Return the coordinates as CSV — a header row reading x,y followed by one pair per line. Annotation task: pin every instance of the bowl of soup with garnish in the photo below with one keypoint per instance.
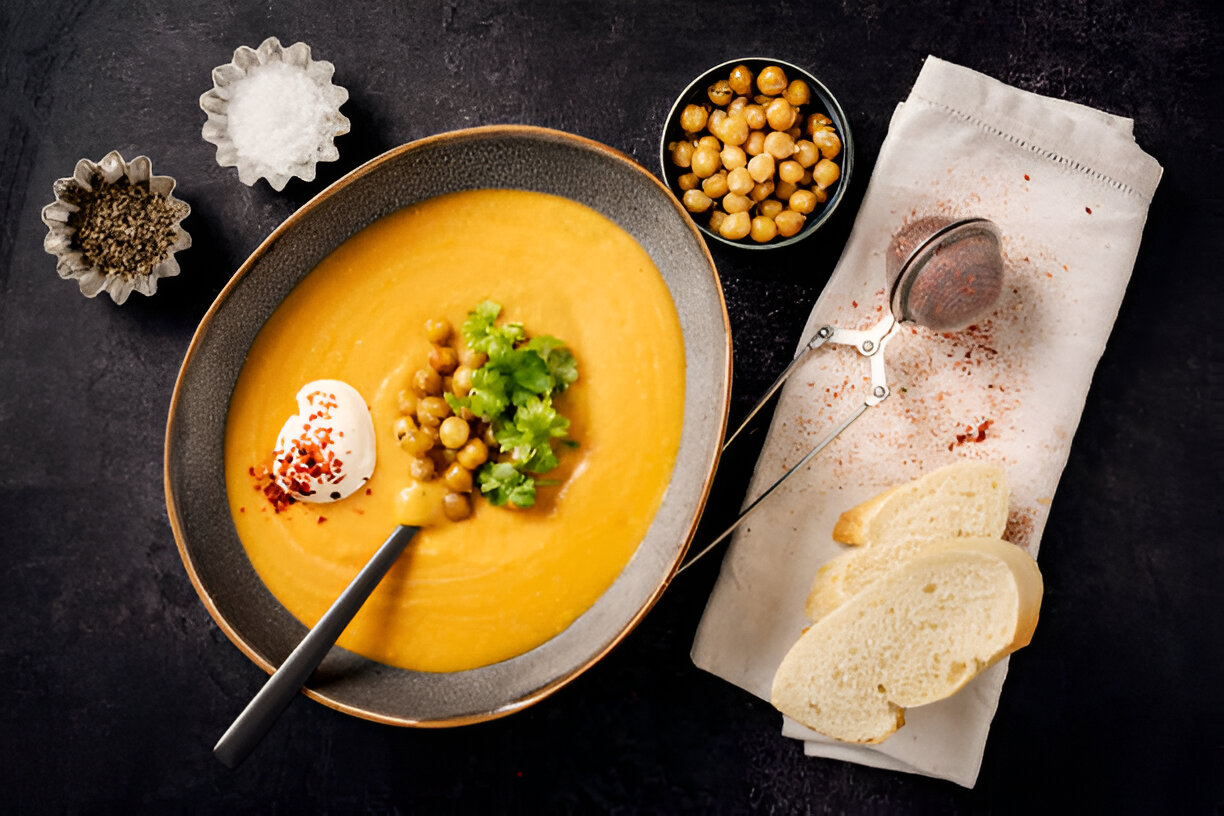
x,y
511,336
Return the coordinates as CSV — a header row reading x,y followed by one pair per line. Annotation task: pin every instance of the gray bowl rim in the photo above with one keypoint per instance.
x,y
836,113
176,523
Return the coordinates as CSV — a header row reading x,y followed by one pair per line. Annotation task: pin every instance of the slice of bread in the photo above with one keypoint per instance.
x,y
916,635
968,498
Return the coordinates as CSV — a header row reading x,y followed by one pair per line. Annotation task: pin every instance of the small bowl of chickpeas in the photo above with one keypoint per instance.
x,y
758,151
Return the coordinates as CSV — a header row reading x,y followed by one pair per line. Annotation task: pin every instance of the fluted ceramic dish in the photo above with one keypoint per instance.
x,y
316,76
493,157
72,264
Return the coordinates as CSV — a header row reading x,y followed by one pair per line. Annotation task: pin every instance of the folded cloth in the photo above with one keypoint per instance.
x,y
1070,190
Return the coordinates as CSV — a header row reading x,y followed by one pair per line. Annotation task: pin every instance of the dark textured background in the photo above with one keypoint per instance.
x,y
114,681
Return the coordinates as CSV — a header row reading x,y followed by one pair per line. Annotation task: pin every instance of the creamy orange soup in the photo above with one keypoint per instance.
x,y
474,592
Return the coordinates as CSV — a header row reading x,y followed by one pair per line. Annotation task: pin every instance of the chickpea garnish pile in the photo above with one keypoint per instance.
x,y
442,444
757,164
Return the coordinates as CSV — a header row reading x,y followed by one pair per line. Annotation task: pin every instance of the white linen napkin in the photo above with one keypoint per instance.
x,y
1070,190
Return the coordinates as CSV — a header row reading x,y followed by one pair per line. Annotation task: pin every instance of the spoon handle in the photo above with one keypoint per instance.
x,y
264,709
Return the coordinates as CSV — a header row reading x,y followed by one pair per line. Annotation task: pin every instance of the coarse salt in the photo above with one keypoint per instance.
x,y
278,118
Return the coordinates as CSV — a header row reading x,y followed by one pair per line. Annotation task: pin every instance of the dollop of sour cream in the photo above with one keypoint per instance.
x,y
326,451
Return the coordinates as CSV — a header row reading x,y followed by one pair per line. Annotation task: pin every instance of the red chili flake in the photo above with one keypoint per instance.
x,y
321,519
1026,176
1088,210
369,491
854,303
241,509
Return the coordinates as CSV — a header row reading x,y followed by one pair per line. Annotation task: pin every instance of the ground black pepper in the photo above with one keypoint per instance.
x,y
122,228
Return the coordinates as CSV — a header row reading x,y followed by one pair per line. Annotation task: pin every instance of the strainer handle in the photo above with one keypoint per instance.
x,y
819,339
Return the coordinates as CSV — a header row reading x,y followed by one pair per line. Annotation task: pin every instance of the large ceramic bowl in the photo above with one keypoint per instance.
x,y
493,157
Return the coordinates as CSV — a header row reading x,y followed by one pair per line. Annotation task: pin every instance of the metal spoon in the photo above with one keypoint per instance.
x,y
271,701
942,274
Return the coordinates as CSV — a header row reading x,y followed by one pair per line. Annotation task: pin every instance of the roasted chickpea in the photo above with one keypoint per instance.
x,y
740,79
443,360
733,156
416,442
437,330
761,168
461,382
716,219
682,153
720,92
431,433
802,201
737,106
780,114
762,191
693,118
755,144
454,432
471,358
755,116
825,173
806,152
763,229
427,381
790,170
431,411
696,201
717,120
771,206
740,181
716,185
736,130
406,401
771,81
780,145
688,181
402,426
789,222
783,190
456,506
422,468
797,93
828,142
736,226
705,162
816,122
473,454
710,142
458,478
735,203
490,438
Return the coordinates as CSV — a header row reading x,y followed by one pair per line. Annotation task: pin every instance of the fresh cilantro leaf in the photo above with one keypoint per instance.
x,y
513,391
502,483
530,371
479,323
489,397
560,362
